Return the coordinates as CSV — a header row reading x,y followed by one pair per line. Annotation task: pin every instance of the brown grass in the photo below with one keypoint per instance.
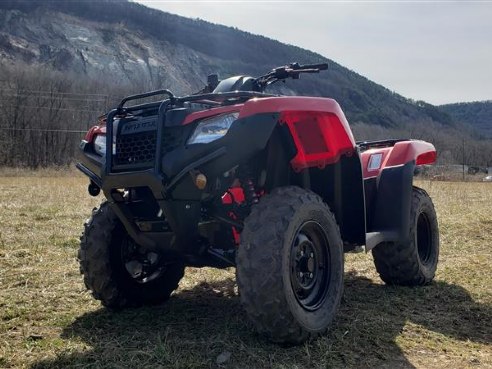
x,y
47,319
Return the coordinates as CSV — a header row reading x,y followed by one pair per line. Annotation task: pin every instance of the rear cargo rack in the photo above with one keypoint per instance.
x,y
366,145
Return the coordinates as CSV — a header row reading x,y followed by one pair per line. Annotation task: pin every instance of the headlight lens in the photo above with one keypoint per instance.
x,y
212,129
100,145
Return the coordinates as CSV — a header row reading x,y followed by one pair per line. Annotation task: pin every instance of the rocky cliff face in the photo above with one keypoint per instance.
x,y
92,49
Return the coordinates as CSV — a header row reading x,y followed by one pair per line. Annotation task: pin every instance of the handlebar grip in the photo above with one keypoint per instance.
x,y
322,66
299,71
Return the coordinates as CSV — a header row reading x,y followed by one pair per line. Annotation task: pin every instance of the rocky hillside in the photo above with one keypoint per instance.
x,y
127,43
475,114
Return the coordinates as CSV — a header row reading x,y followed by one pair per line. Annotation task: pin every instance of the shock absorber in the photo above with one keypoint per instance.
x,y
248,185
250,192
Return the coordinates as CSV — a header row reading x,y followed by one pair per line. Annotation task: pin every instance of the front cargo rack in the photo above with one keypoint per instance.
x,y
151,145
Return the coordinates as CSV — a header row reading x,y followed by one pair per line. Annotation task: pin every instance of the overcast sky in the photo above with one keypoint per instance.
x,y
439,51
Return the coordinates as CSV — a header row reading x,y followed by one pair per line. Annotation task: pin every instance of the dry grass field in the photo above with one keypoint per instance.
x,y
48,320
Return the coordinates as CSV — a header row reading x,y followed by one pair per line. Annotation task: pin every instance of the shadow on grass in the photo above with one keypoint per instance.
x,y
197,325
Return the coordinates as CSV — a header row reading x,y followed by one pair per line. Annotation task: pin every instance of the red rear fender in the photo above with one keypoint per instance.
x,y
377,159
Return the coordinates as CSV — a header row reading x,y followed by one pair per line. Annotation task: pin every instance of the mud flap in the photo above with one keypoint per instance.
x,y
391,211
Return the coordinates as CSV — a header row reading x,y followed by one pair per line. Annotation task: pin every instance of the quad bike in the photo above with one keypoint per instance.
x,y
274,186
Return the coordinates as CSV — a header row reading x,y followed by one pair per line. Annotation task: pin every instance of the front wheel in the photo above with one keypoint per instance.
x,y
117,272
290,265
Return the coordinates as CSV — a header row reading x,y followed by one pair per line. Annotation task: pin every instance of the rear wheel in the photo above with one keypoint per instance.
x,y
413,262
290,265
117,272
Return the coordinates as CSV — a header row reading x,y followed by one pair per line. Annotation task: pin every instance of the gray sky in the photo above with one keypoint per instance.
x,y
439,51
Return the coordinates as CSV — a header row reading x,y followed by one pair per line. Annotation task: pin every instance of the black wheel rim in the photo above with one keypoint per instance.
x,y
424,238
310,266
141,267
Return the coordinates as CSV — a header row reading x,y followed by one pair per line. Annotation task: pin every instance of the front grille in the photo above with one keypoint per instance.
x,y
136,149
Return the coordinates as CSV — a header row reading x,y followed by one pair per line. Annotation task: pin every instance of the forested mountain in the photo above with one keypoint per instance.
x,y
476,114
63,63
133,44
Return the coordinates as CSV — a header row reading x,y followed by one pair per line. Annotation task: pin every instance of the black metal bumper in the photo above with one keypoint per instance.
x,y
170,180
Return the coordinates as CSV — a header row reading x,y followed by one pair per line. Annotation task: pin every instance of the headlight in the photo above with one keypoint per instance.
x,y
212,129
100,145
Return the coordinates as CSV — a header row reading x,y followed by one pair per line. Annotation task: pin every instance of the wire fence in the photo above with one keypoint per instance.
x,y
42,130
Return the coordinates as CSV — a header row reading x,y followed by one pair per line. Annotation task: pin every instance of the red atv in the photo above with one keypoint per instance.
x,y
273,185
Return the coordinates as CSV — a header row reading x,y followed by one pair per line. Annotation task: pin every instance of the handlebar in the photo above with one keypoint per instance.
x,y
287,71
